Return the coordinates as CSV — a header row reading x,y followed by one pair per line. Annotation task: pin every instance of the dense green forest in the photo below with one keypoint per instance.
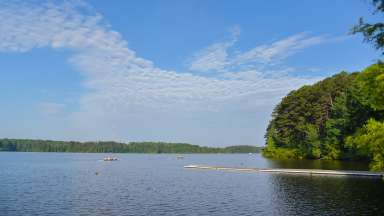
x,y
27,145
340,117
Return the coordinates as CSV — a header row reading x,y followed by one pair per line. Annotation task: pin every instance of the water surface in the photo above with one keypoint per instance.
x,y
142,184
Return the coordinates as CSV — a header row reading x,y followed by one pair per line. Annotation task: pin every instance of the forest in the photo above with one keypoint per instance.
x,y
338,118
29,145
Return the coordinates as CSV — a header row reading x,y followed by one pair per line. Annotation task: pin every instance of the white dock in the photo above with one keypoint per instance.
x,y
292,171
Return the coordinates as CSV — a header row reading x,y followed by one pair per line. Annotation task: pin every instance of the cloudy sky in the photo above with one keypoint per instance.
x,y
207,72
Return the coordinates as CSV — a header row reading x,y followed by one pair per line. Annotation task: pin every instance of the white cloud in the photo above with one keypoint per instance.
x,y
217,57
280,49
128,97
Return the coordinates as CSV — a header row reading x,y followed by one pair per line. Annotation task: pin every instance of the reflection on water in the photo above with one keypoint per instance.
x,y
322,195
66,184
318,164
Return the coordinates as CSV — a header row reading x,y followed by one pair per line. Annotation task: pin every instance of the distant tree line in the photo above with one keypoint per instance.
x,y
29,145
341,117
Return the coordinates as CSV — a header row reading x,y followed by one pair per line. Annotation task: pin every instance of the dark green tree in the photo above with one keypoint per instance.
x,y
316,121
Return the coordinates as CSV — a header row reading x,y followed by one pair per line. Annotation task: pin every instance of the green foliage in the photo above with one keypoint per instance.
x,y
314,121
370,85
241,149
300,118
281,153
373,33
25,145
330,119
369,141
312,142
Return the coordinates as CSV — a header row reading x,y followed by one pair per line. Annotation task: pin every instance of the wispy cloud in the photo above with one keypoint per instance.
x,y
280,49
121,84
218,58
215,57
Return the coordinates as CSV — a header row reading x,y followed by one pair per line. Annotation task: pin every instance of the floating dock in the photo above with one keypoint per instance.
x,y
292,171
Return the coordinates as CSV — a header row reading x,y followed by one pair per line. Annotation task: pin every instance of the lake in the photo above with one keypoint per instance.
x,y
144,184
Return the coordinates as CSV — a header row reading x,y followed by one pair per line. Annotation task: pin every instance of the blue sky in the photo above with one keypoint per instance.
x,y
167,32
205,72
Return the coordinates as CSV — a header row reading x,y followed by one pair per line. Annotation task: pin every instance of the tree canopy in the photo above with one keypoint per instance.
x,y
316,121
369,140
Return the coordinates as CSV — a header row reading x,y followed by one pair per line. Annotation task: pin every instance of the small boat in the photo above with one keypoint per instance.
x,y
110,159
191,166
179,157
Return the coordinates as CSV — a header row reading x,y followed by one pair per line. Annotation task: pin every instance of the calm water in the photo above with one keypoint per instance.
x,y
66,184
